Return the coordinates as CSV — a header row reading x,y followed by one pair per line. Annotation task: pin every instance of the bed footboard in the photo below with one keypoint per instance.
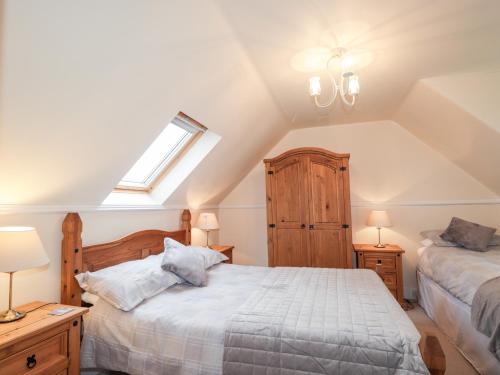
x,y
433,354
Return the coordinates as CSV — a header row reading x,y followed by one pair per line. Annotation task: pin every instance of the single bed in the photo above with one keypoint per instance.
x,y
247,319
448,278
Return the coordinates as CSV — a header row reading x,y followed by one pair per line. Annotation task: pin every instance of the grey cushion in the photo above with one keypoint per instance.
x,y
435,236
186,263
470,235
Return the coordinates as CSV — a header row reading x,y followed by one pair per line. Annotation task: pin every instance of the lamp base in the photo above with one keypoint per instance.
x,y
380,246
11,316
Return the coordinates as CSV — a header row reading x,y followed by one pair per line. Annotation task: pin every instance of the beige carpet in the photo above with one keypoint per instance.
x,y
456,364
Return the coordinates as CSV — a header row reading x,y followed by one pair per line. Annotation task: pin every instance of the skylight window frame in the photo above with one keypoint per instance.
x,y
194,129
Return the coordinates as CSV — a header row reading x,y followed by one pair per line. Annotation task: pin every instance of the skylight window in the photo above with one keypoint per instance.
x,y
172,142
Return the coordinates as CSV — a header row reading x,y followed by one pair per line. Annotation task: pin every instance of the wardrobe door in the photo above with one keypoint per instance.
x,y
327,236
288,183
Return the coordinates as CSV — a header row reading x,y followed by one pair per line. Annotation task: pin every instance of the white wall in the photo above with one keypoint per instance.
x,y
44,283
389,168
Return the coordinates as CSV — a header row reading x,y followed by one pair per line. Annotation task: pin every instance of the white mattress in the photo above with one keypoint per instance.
x,y
180,331
458,270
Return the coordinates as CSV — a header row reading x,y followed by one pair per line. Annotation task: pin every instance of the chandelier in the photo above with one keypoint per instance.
x,y
347,85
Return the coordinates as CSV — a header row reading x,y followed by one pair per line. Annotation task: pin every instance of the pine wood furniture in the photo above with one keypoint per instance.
x,y
387,262
308,209
41,343
76,258
227,250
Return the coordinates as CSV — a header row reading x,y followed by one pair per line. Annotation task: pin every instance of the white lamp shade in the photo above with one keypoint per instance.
x,y
379,219
20,249
207,221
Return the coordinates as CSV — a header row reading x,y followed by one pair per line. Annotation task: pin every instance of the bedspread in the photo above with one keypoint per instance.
x,y
321,321
485,313
458,270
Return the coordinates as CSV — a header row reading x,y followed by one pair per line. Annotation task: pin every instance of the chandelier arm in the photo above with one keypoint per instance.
x,y
335,90
343,95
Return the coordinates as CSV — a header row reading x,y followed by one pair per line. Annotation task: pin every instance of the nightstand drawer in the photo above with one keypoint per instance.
x,y
390,279
46,357
386,262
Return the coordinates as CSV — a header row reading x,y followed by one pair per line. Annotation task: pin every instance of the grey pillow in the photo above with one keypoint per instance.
x,y
435,236
186,263
470,235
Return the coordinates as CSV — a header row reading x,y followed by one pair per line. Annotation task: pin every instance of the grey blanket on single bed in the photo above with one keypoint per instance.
x,y
485,313
321,321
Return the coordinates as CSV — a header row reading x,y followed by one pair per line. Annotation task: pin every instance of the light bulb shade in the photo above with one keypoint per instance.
x,y
20,249
207,221
353,85
379,219
314,86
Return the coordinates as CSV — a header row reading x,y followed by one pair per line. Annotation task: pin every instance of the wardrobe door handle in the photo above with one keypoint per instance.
x,y
302,225
311,226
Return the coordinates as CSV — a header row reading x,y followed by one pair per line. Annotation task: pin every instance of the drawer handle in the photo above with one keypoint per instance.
x,y
31,362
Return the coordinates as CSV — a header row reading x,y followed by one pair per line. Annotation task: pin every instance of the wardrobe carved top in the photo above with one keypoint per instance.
x,y
307,150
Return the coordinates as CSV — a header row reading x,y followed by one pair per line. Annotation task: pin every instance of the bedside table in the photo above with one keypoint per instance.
x,y
41,343
387,262
227,250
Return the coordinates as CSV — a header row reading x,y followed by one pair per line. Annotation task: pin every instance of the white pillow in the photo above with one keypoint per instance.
x,y
90,298
185,263
127,284
211,257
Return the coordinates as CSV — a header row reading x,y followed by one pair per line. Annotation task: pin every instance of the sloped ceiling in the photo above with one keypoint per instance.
x,y
459,117
86,86
409,40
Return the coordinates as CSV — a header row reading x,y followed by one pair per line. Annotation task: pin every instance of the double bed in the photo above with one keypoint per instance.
x,y
448,278
247,320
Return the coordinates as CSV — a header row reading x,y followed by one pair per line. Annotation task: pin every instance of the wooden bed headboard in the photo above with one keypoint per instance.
x,y
76,258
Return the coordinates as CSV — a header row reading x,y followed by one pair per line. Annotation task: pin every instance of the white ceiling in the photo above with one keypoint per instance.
x,y
86,86
409,40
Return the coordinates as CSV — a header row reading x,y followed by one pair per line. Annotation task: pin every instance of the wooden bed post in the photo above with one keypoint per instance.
x,y
432,354
186,225
72,259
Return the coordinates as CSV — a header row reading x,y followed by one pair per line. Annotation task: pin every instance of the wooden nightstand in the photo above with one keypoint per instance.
x,y
227,250
41,343
387,262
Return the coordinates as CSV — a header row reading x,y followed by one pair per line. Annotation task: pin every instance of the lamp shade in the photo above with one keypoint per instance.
x,y
20,249
379,219
207,221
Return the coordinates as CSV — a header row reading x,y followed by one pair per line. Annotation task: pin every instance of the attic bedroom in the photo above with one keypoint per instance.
x,y
249,187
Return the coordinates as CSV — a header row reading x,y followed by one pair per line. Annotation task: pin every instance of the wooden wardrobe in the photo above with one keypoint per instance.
x,y
309,209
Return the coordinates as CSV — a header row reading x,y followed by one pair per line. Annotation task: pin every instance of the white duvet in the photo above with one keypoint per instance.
x,y
460,271
181,330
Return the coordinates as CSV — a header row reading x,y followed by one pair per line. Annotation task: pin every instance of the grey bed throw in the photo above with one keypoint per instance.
x,y
321,321
485,313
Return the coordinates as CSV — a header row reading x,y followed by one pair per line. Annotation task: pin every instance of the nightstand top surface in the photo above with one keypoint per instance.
x,y
221,247
371,248
35,321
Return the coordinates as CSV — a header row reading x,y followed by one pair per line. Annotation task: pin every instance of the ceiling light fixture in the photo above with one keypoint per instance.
x,y
348,85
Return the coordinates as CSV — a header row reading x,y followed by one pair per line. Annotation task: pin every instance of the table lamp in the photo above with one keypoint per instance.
x,y
207,221
20,249
379,219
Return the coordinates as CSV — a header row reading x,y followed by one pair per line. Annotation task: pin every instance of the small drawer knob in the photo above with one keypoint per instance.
x,y
31,361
